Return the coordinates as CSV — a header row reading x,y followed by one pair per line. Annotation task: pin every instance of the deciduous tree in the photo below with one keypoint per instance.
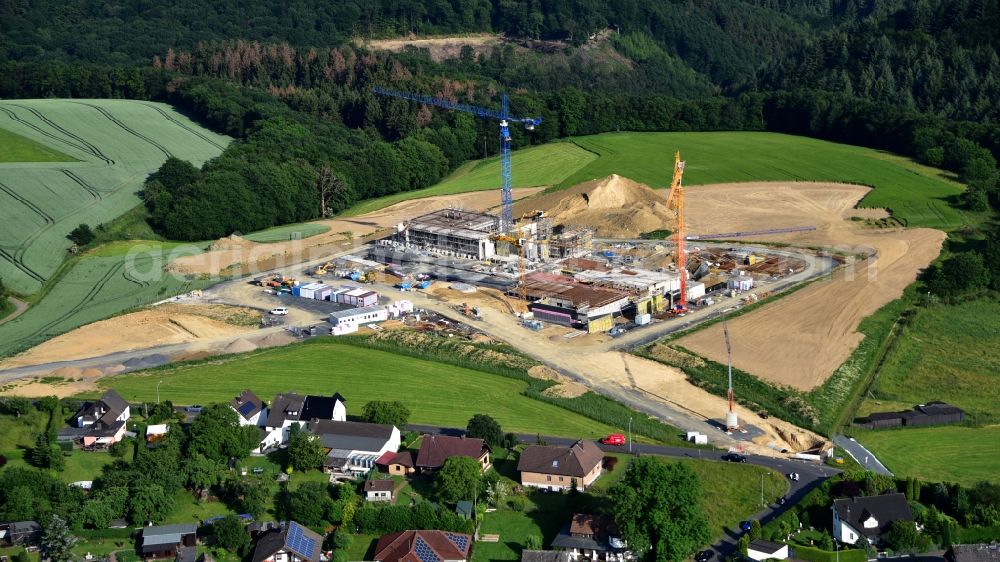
x,y
458,479
391,413
305,451
230,534
486,428
57,542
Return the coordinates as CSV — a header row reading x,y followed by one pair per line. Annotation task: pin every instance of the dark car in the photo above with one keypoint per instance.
x,y
745,526
703,556
734,457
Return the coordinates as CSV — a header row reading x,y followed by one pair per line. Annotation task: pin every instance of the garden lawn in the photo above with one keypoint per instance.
x,y
948,453
945,353
435,393
730,491
15,148
535,166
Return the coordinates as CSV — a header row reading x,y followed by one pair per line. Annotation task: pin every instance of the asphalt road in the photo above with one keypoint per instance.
x,y
859,453
810,474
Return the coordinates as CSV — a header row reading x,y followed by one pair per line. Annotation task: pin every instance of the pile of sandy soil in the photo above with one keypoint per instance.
x,y
235,255
801,339
615,207
239,346
163,325
566,387
275,339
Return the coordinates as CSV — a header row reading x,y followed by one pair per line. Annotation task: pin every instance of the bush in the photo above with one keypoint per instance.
x,y
517,503
81,235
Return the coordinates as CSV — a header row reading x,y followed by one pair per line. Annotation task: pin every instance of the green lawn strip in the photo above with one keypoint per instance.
x,y
812,554
958,454
945,353
16,148
534,166
435,393
918,195
362,547
287,232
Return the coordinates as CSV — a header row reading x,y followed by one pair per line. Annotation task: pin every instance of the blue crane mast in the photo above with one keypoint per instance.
x,y
503,115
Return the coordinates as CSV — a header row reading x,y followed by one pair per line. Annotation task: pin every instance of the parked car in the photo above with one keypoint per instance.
x,y
745,526
734,457
279,311
703,556
793,476
614,439
196,409
781,500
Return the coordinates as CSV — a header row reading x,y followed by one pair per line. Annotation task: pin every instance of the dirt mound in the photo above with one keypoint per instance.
x,y
274,340
67,372
615,207
232,242
544,372
114,369
239,346
566,389
91,373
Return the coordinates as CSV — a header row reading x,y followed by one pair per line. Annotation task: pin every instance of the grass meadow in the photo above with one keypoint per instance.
x,y
918,195
535,166
436,393
16,148
964,455
287,232
111,147
946,353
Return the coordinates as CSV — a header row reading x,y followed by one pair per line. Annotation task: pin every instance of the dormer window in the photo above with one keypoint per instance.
x,y
870,523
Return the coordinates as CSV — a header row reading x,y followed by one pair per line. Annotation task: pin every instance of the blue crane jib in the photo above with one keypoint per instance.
x,y
503,115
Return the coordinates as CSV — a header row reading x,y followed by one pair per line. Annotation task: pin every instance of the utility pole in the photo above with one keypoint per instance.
x,y
630,434
158,391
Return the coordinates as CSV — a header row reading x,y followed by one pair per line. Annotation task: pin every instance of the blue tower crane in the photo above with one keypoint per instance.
x,y
503,115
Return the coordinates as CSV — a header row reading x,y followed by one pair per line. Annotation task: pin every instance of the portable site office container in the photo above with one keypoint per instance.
x,y
361,297
359,316
337,295
308,290
323,294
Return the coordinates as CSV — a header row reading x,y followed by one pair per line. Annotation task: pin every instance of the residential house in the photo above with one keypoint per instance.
x,y
250,410
397,464
868,517
102,421
293,543
591,537
982,552
20,533
544,556
435,449
378,490
163,541
353,447
423,546
761,549
561,468
291,408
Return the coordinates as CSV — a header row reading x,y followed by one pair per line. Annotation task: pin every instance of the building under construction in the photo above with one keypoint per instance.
x,y
452,232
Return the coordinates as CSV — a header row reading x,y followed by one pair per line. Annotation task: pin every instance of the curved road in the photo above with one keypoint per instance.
x,y
811,474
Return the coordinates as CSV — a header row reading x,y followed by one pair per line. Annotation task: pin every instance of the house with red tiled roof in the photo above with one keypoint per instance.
x,y
435,449
424,546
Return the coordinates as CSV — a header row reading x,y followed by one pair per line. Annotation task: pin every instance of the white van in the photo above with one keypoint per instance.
x,y
280,311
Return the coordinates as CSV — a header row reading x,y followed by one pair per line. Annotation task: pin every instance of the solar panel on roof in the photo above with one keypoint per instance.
x,y
461,540
424,551
298,541
246,408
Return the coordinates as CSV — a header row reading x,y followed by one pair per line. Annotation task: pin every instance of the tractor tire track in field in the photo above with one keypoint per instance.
x,y
94,291
93,191
38,211
21,265
127,129
14,117
180,124
91,148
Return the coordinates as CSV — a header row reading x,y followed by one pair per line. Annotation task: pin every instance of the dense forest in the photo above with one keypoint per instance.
x,y
292,82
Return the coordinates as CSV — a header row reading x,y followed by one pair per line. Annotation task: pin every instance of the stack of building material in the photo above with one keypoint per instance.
x,y
740,283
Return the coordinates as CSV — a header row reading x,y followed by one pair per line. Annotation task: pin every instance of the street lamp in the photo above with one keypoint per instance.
x,y
158,391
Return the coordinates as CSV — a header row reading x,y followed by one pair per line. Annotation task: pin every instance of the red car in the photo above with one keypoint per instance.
x,y
614,439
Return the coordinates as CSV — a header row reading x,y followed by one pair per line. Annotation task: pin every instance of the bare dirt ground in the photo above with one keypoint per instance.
x,y
162,325
801,339
615,207
236,255
440,48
